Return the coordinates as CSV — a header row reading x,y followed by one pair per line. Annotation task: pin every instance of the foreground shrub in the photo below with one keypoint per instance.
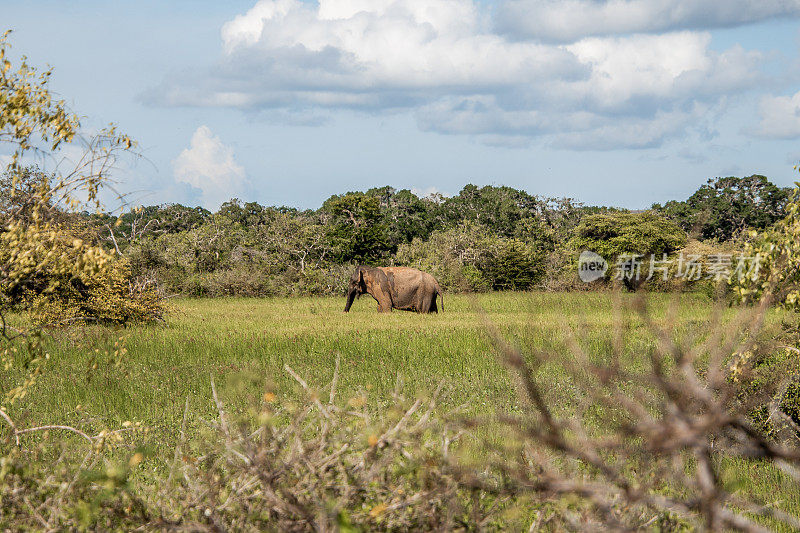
x,y
777,277
662,446
668,446
321,465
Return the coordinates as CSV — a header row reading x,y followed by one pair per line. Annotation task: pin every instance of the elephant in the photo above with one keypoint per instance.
x,y
395,288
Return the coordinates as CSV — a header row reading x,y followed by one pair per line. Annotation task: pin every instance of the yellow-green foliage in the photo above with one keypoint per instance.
x,y
109,295
778,251
59,277
702,253
47,256
44,264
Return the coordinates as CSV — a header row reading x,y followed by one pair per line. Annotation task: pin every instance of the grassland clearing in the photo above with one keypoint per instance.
x,y
245,345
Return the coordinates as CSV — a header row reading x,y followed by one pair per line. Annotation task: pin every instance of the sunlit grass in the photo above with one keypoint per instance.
x,y
244,345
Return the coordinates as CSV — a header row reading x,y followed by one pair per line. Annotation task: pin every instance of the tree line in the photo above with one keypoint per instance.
x,y
483,238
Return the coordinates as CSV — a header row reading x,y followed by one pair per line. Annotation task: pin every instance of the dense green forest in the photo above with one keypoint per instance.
x,y
483,238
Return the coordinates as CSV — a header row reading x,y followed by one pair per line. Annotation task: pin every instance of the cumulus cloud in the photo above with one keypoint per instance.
x,y
428,192
780,117
570,20
444,61
209,165
381,53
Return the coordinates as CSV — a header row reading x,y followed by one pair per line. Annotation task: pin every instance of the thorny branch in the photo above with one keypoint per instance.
x,y
675,414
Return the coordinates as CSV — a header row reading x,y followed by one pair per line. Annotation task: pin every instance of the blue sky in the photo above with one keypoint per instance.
x,y
621,102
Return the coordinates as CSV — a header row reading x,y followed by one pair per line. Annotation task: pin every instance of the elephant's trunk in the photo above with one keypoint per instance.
x,y
350,297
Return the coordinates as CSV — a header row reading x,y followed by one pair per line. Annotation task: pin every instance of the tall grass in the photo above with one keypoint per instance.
x,y
204,382
244,344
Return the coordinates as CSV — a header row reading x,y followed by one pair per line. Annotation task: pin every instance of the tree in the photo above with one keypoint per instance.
x,y
21,195
47,260
774,271
39,256
725,207
356,229
405,215
498,208
245,214
616,234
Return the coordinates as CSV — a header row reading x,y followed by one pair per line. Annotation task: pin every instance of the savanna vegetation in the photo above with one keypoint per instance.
x,y
654,407
484,238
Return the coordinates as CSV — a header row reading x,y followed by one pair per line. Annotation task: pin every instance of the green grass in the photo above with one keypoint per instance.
x,y
243,345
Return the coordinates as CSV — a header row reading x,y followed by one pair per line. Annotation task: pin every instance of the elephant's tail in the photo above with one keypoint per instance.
x,y
441,295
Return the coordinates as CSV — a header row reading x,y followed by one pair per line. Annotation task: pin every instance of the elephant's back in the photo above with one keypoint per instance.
x,y
404,274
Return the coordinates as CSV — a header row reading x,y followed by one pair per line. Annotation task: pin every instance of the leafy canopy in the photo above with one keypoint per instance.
x,y
777,250
724,207
615,234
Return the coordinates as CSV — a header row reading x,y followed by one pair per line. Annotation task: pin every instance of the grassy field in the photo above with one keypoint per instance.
x,y
243,345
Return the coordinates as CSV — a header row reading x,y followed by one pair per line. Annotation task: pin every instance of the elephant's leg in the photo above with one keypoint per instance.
x,y
433,307
384,305
384,301
419,302
425,304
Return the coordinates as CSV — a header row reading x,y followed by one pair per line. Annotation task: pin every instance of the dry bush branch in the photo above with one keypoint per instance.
x,y
659,440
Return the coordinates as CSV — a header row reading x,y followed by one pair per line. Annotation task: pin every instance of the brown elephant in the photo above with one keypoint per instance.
x,y
395,288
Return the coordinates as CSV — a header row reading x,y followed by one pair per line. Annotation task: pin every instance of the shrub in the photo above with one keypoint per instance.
x,y
511,264
322,465
703,254
109,295
328,279
469,258
615,235
769,392
612,235
777,250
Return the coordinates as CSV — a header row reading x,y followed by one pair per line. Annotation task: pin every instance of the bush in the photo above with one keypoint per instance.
x,y
317,466
510,264
703,253
777,277
328,279
109,296
615,235
468,258
612,235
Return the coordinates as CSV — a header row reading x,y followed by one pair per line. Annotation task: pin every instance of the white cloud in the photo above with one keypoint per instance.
x,y
428,192
780,117
570,20
367,46
632,133
668,67
441,60
209,165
